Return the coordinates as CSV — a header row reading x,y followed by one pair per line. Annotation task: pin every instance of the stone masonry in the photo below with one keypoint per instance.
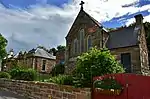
x,y
135,59
32,60
129,48
39,90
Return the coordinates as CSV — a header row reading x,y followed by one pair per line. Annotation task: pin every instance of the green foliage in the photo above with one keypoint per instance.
x,y
42,76
53,50
95,63
111,29
58,69
23,74
3,44
5,75
108,83
60,48
61,79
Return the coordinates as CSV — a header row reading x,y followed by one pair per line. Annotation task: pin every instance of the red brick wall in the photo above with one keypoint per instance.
x,y
40,90
60,56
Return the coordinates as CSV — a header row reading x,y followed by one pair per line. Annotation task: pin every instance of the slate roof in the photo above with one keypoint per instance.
x,y
127,36
39,52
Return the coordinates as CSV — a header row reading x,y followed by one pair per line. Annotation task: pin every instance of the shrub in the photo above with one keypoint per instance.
x,y
58,69
5,75
95,63
61,79
23,74
41,76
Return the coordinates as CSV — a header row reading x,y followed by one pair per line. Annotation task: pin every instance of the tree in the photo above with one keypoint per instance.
x,y
61,48
95,63
3,44
53,50
110,29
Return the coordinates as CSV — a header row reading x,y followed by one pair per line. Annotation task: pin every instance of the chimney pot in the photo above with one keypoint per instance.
x,y
139,19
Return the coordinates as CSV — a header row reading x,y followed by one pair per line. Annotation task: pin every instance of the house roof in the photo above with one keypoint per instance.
x,y
39,52
127,36
16,55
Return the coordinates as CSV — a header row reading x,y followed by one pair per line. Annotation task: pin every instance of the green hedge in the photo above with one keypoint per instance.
x,y
5,75
23,74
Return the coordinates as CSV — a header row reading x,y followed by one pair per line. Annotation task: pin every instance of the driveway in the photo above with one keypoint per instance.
x,y
9,95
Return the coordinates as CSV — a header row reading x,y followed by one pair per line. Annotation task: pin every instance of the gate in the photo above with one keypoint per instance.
x,y
133,87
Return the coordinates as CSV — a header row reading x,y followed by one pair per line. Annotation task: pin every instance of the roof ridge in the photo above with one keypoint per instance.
x,y
120,28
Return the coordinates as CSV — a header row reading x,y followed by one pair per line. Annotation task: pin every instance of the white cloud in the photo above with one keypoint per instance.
x,y
40,25
147,18
132,20
129,21
48,25
105,10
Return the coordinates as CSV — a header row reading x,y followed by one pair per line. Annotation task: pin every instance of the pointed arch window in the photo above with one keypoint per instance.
x,y
89,42
75,46
81,40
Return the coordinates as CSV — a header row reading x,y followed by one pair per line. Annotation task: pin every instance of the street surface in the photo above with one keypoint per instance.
x,y
9,95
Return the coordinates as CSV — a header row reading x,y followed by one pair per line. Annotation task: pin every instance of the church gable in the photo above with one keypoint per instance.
x,y
82,21
84,33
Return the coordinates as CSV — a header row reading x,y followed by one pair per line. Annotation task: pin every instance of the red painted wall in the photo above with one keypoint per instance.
x,y
138,87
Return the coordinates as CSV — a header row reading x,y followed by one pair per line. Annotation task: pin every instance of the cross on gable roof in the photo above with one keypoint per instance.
x,y
81,5
90,17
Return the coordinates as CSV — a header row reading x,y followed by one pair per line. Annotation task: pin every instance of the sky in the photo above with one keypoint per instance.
x,y
29,23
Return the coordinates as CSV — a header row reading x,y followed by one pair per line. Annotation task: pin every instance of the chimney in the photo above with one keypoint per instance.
x,y
139,19
11,52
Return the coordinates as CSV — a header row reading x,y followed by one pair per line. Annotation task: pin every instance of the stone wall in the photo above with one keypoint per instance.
x,y
38,62
60,57
83,28
39,90
33,62
143,52
135,57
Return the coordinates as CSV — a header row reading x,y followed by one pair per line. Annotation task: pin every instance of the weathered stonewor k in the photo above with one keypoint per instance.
x,y
128,44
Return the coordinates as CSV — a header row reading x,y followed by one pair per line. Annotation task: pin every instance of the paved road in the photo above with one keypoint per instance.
x,y
9,95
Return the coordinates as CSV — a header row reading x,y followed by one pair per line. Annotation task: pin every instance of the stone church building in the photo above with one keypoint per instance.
x,y
127,44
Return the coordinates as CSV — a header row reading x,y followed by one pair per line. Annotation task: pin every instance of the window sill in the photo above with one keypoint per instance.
x,y
43,71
